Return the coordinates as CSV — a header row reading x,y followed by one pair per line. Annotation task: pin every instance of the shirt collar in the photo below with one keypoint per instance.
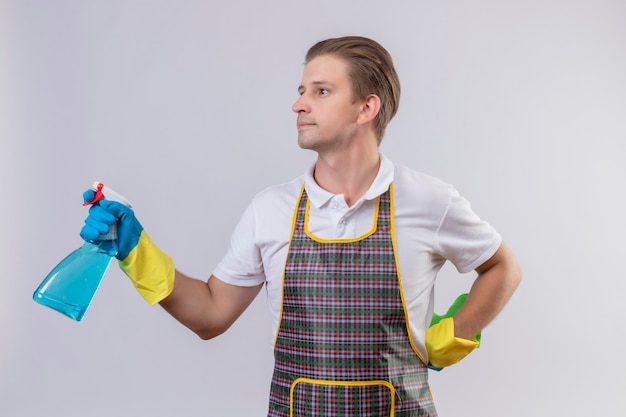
x,y
318,196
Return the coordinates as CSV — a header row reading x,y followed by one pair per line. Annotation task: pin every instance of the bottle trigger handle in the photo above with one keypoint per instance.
x,y
101,192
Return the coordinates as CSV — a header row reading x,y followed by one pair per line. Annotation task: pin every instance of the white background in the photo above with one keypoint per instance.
x,y
184,107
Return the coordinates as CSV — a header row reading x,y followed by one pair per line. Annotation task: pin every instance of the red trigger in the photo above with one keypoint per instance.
x,y
97,196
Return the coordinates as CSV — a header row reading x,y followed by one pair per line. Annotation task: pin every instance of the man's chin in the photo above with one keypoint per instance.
x,y
306,143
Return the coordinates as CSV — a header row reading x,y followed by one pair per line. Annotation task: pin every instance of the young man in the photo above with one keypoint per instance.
x,y
349,252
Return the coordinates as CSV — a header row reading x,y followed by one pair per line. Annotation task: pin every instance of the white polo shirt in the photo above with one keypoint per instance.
x,y
433,224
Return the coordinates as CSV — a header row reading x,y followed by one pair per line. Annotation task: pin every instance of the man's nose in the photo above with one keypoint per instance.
x,y
301,105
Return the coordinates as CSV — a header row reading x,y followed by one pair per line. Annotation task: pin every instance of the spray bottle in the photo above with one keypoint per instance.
x,y
72,284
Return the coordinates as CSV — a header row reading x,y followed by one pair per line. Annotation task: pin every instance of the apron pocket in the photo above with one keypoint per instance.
x,y
314,398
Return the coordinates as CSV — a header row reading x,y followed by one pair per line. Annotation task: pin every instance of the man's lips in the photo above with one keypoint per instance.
x,y
303,124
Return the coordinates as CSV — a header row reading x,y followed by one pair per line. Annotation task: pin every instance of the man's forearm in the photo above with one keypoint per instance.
x,y
496,282
207,308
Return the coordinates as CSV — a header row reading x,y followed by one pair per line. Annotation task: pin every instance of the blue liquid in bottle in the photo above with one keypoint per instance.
x,y
70,287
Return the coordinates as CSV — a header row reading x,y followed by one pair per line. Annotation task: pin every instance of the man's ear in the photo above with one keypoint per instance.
x,y
369,109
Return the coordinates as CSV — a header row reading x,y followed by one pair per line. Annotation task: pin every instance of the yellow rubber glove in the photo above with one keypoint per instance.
x,y
444,349
150,269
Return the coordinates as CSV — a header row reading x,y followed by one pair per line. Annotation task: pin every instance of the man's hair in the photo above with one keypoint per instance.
x,y
371,71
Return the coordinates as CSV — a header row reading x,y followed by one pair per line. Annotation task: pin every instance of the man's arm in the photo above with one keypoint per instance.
x,y
497,280
207,308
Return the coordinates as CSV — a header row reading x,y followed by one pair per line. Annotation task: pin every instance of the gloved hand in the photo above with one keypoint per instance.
x,y
150,269
444,349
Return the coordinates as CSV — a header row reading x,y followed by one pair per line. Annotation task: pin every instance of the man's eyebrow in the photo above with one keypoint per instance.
x,y
301,87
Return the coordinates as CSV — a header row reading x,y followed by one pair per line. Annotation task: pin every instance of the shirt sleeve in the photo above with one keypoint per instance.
x,y
242,265
463,238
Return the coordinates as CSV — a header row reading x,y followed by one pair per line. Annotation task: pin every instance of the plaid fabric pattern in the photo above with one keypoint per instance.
x,y
321,400
342,347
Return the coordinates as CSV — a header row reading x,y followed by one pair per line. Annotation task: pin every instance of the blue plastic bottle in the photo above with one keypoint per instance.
x,y
70,287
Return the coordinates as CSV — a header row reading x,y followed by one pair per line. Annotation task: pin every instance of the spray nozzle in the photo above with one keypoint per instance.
x,y
101,192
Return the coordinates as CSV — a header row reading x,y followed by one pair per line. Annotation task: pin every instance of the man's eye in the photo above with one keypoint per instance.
x,y
323,91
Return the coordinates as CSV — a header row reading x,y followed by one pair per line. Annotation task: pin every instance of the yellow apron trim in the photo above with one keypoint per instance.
x,y
392,219
387,384
351,240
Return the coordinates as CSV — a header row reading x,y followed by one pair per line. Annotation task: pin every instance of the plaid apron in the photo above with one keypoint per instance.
x,y
342,348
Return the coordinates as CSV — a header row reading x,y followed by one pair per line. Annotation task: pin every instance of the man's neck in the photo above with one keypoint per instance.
x,y
350,172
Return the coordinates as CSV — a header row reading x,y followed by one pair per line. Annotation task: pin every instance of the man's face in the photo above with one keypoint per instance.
x,y
327,113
